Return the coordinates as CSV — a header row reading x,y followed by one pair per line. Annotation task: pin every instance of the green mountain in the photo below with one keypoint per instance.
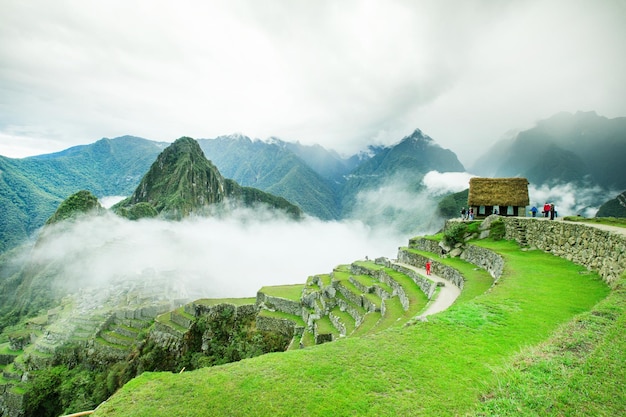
x,y
274,168
182,181
32,188
82,202
615,207
582,148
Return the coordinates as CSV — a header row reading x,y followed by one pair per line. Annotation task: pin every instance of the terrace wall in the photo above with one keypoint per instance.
x,y
596,249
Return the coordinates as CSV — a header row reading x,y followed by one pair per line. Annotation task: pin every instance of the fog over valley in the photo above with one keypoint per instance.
x,y
232,256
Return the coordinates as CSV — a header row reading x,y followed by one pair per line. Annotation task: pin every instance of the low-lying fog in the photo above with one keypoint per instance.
x,y
236,255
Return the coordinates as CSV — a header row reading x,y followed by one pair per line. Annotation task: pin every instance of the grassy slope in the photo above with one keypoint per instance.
x,y
440,367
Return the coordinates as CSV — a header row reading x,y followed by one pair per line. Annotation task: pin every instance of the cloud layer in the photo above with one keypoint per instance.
x,y
341,74
232,256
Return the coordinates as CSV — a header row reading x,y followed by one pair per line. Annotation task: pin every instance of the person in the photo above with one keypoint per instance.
x,y
471,213
463,213
428,267
546,209
552,211
534,211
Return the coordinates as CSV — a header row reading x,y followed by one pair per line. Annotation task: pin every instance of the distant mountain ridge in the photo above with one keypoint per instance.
x,y
319,181
581,148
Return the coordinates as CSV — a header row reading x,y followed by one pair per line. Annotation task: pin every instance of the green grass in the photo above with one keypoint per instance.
x,y
394,314
370,321
109,344
181,312
289,292
365,280
440,367
4,350
234,301
326,279
345,318
578,371
166,319
610,221
477,281
324,326
280,315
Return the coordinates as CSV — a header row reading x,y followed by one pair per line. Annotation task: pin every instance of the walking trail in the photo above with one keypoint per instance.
x,y
446,296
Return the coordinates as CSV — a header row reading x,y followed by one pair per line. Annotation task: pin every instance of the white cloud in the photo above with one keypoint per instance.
x,y
446,182
569,199
341,74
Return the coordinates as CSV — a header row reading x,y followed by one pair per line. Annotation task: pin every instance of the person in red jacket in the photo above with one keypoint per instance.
x,y
546,210
428,267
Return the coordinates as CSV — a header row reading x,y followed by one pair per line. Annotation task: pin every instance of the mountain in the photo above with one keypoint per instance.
x,y
273,168
79,203
407,162
32,188
182,181
582,148
615,207
321,182
327,163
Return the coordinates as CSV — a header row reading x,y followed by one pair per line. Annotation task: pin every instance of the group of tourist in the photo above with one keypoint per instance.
x,y
549,210
467,214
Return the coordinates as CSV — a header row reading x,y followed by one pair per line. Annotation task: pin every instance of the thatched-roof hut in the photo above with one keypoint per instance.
x,y
504,196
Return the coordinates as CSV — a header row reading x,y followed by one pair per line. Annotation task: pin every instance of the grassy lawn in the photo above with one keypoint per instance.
x,y
324,326
280,315
289,292
441,367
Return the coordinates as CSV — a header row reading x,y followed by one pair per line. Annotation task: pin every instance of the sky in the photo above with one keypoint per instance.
x,y
342,74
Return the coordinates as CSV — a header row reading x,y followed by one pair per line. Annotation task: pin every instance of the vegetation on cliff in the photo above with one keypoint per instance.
x,y
79,382
79,203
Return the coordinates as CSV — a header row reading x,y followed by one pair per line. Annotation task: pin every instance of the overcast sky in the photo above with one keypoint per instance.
x,y
343,74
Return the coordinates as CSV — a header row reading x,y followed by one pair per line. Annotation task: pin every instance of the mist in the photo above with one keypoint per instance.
x,y
236,254
407,206
570,199
206,257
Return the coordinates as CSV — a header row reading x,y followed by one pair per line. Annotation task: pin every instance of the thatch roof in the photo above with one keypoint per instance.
x,y
498,192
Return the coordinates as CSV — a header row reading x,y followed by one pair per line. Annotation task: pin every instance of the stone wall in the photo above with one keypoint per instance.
x,y
426,245
11,401
278,325
446,272
485,259
279,304
596,249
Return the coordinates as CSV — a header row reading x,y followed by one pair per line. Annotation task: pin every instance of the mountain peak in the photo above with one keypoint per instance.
x,y
78,203
419,136
180,181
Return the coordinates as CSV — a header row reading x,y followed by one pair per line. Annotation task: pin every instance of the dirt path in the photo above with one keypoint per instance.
x,y
608,228
447,294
